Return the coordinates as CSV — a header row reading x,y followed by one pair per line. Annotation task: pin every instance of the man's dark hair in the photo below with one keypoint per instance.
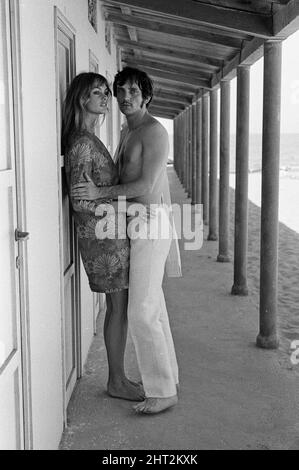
x,y
132,75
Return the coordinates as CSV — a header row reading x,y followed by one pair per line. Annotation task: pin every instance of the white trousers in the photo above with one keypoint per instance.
x,y
148,318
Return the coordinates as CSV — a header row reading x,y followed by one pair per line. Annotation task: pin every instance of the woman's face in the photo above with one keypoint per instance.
x,y
98,100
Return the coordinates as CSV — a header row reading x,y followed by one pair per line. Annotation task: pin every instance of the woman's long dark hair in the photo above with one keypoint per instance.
x,y
73,106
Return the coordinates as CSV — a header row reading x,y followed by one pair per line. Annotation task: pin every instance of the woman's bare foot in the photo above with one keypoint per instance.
x,y
155,405
138,384
126,390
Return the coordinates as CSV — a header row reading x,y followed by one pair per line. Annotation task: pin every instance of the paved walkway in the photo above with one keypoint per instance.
x,y
233,395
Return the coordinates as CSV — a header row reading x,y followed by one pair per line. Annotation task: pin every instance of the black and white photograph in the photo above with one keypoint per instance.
x,y
149,235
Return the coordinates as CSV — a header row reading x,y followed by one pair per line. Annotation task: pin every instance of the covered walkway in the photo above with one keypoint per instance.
x,y
233,394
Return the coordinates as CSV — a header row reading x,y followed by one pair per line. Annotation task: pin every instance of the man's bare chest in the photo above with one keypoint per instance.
x,y
131,156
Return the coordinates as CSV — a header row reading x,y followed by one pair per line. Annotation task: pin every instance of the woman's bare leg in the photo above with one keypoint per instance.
x,y
115,335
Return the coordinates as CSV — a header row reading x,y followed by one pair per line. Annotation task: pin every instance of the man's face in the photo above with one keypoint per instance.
x,y
129,98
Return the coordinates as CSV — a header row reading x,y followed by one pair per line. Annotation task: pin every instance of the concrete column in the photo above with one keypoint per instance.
x,y
181,155
181,146
179,142
190,151
174,144
194,154
198,151
205,158
241,193
185,150
224,213
268,337
213,190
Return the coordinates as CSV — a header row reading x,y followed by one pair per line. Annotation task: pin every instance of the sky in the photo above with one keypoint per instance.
x,y
289,98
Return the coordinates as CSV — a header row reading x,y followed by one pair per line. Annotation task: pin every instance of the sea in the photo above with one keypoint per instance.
x,y
289,154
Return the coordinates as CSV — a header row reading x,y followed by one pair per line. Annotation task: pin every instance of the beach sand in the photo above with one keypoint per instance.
x,y
288,269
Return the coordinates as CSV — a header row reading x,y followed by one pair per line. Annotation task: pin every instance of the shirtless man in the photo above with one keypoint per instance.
x,y
143,157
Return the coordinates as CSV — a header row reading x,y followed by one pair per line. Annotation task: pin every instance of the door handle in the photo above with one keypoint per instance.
x,y
21,236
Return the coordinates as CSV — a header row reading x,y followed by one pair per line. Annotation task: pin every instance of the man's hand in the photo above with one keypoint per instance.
x,y
88,191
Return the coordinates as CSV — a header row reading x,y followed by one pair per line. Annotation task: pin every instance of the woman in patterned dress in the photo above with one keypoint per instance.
x,y
105,257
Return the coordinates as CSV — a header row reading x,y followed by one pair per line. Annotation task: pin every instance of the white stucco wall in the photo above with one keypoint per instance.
x,y
42,200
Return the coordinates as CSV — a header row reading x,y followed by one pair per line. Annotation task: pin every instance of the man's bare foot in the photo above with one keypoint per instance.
x,y
155,405
126,390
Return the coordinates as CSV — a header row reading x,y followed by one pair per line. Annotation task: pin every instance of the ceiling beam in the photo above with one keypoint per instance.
x,y
173,60
160,26
206,49
171,65
206,14
168,107
164,109
190,24
286,19
175,97
168,104
182,88
140,63
180,52
177,77
126,11
248,56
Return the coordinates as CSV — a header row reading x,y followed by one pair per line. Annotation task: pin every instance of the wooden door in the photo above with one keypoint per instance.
x,y
69,246
97,298
11,374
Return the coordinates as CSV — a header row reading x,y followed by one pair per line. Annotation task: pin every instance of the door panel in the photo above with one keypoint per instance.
x,y
4,95
10,429
67,228
70,352
8,320
70,261
11,396
94,67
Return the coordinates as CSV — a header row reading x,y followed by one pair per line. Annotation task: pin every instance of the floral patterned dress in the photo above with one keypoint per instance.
x,y
103,241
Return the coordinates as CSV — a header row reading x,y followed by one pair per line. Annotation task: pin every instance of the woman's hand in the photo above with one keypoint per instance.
x,y
88,191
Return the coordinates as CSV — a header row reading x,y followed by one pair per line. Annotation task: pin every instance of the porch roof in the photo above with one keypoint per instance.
x,y
188,46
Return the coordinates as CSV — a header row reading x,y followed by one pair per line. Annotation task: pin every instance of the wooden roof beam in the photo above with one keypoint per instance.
x,y
163,109
175,97
181,44
178,77
206,14
190,24
196,73
182,88
195,65
286,19
160,26
248,56
168,104
126,11
179,52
